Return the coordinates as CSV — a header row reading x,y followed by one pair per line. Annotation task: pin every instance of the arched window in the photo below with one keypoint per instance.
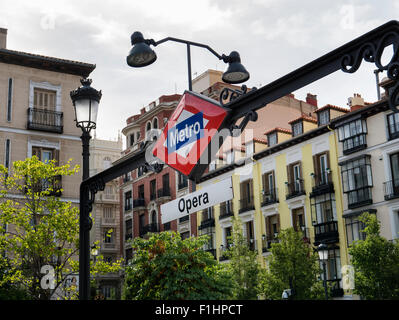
x,y
153,216
155,123
148,127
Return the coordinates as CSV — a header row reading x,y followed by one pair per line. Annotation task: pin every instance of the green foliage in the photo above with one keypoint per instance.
x,y
376,263
292,262
166,267
244,266
36,227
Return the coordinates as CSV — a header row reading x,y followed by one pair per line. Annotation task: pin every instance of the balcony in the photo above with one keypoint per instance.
x,y
247,204
108,221
45,120
295,189
268,240
322,184
138,203
152,227
108,246
208,223
226,210
52,185
163,193
326,232
391,189
360,197
354,144
269,197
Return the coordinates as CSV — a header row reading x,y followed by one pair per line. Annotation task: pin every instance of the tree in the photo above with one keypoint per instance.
x,y
292,265
244,266
39,233
166,267
376,263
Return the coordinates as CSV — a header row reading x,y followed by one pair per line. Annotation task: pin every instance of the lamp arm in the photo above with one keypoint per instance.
x,y
155,43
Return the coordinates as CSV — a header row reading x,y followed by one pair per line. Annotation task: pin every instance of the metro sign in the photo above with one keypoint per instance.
x,y
184,142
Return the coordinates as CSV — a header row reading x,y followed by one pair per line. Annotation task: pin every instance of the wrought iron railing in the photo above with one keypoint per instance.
x,y
326,232
269,197
45,120
226,210
295,189
152,227
52,185
247,204
391,189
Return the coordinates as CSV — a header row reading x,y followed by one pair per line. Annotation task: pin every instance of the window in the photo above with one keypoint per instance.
x,y
128,200
249,234
354,228
185,235
128,229
131,138
44,99
295,182
137,136
182,181
246,201
333,268
391,188
272,139
45,154
107,213
321,169
269,192
298,219
9,100
323,208
153,185
107,162
357,181
165,182
272,228
108,235
140,171
353,136
393,126
141,191
155,123
297,128
323,117
148,127
207,214
7,153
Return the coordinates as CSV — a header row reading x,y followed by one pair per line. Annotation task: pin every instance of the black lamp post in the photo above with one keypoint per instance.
x,y
322,250
142,55
85,102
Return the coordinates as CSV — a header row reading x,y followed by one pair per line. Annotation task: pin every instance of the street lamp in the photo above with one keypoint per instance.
x,y
322,250
85,102
142,55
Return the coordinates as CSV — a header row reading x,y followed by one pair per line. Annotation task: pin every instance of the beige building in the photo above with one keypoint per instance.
x,y
36,110
106,227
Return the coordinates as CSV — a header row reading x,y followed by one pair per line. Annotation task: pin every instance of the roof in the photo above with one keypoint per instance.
x,y
46,63
330,106
303,117
278,129
256,140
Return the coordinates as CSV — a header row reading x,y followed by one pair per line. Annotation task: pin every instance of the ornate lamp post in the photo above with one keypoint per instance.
x,y
142,55
322,250
85,102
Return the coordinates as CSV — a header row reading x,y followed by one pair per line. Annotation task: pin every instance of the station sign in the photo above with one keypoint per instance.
x,y
183,144
206,197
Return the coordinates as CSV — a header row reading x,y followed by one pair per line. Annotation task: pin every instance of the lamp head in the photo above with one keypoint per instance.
x,y
141,54
236,72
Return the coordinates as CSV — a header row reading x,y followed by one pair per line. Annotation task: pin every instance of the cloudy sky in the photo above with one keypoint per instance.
x,y
273,37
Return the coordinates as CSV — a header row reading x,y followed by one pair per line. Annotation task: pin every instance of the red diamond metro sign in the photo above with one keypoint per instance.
x,y
183,144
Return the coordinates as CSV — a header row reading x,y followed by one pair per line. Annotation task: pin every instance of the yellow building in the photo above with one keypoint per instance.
x,y
292,181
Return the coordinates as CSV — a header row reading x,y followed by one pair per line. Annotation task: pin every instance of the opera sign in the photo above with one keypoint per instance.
x,y
183,144
199,200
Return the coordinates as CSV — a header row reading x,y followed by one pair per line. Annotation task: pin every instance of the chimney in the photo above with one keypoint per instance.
x,y
3,38
142,111
311,99
356,102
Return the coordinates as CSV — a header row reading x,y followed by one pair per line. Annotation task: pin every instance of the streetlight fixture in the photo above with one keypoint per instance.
x,y
322,250
142,55
85,102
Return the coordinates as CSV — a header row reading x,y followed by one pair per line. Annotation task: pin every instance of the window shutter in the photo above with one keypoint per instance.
x,y
57,157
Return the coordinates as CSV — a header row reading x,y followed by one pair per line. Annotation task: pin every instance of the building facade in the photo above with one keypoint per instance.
x,y
106,227
142,192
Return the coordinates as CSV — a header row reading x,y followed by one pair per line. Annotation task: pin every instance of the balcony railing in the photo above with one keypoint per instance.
x,y
269,197
164,192
268,240
247,204
226,210
52,185
322,183
360,197
137,203
152,227
391,189
326,232
295,189
208,223
45,120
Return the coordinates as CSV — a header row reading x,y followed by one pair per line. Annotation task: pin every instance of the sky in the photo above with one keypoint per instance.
x,y
273,37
